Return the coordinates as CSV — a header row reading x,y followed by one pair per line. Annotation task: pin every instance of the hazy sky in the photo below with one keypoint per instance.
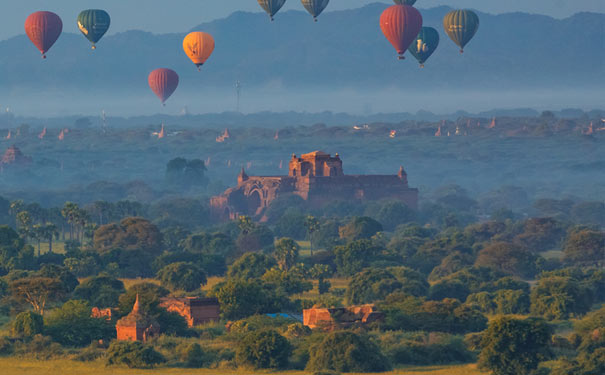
x,y
162,16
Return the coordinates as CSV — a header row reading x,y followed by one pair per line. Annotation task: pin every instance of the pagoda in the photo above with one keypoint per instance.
x,y
137,326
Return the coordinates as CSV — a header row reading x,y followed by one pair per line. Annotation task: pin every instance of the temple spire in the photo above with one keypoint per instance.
x,y
402,174
137,306
242,176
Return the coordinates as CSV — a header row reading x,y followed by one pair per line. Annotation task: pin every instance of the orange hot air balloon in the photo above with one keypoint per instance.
x,y
198,46
163,82
401,25
43,29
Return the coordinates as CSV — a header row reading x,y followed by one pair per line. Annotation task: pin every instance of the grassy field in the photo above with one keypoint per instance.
x,y
14,366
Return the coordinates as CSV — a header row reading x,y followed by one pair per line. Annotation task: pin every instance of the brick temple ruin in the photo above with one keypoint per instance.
x,y
196,311
137,325
333,319
318,178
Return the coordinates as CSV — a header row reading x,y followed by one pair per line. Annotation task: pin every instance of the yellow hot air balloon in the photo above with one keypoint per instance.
x,y
198,46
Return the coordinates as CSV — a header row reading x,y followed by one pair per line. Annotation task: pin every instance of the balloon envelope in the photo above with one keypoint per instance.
x,y
93,23
315,7
271,6
461,26
400,25
426,43
163,82
43,29
198,46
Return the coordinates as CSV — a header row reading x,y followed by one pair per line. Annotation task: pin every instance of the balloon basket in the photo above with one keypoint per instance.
x,y
400,57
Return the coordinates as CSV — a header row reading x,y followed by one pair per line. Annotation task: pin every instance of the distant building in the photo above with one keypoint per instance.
x,y
318,178
137,326
196,311
14,156
333,319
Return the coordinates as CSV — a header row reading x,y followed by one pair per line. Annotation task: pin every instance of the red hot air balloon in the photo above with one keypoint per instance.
x,y
163,82
43,29
401,25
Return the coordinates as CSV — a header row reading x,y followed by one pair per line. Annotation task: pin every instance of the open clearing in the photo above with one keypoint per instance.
x,y
15,366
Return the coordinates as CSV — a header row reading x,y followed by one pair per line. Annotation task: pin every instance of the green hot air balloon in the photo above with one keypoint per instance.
x,y
94,23
426,43
271,6
461,26
315,7
405,2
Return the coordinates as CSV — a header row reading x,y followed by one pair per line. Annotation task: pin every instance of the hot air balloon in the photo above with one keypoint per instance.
x,y
198,46
461,26
405,2
163,82
426,43
400,25
271,6
94,23
315,7
43,29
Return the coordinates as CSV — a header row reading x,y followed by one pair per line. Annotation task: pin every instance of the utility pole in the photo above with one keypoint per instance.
x,y
238,91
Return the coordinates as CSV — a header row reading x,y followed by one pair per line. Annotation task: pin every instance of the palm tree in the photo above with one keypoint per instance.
x,y
286,253
37,234
49,232
312,225
15,208
69,212
24,222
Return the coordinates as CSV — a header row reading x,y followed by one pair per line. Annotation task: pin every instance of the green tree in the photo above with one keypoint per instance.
x,y
360,228
558,297
182,276
346,352
371,285
508,258
100,291
37,291
286,253
240,298
250,266
27,324
585,247
133,233
513,346
265,349
355,256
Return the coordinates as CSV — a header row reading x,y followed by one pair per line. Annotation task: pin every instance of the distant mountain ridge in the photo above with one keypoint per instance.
x,y
345,49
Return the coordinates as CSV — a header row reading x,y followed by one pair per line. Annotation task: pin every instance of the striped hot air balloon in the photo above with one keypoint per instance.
x,y
163,82
43,29
271,6
401,24
315,7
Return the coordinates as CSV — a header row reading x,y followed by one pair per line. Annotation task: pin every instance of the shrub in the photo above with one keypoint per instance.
x,y
263,350
347,352
27,324
133,354
39,347
193,356
72,325
419,348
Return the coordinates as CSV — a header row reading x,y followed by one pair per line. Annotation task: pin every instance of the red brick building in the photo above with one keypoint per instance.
x,y
196,311
332,319
137,326
318,178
